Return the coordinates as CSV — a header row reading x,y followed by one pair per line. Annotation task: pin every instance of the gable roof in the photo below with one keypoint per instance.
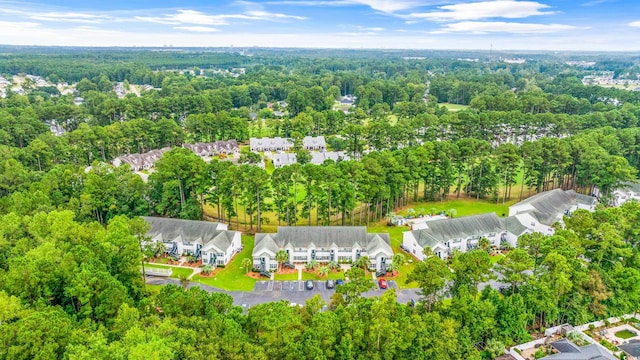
x,y
323,237
189,231
548,205
514,226
632,348
569,351
631,186
440,231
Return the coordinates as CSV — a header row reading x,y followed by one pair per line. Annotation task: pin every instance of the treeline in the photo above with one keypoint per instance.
x,y
72,290
375,184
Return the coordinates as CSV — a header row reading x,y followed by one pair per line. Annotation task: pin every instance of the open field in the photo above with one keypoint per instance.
x,y
454,107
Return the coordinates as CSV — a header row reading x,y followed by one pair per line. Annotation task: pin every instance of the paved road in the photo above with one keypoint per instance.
x,y
292,291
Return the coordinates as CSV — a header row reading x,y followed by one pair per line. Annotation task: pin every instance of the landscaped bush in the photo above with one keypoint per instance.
x,y
608,345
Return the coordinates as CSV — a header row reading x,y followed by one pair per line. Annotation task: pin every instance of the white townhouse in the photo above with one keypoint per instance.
x,y
314,143
270,144
628,191
462,234
322,244
139,162
209,241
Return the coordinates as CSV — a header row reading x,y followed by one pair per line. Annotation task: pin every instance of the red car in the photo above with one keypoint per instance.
x,y
382,283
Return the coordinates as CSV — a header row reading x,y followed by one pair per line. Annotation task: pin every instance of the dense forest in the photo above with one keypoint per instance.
x,y
70,251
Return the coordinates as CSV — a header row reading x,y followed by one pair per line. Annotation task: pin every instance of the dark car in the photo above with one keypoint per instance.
x,y
382,283
339,282
309,285
330,284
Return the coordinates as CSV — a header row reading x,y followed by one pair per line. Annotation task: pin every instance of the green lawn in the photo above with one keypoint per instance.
x,y
463,207
625,334
454,107
233,276
496,258
176,272
286,277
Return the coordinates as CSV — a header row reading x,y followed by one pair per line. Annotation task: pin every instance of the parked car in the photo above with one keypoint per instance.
x,y
309,285
339,282
382,283
330,284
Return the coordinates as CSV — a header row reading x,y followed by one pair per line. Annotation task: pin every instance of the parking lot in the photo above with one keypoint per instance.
x,y
291,291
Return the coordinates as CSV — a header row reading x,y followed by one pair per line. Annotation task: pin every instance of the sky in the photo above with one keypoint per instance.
x,y
596,25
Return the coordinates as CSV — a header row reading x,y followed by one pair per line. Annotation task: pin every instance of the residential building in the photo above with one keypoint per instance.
x,y
318,157
281,159
323,244
209,241
139,162
214,148
632,349
270,144
541,211
628,191
462,234
567,350
314,143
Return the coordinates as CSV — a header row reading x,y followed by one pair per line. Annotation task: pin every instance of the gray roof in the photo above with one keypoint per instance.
x,y
189,231
631,186
283,159
309,142
440,231
318,157
513,225
549,204
632,348
276,142
569,351
323,237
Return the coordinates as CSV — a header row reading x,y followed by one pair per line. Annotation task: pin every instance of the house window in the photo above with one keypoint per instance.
x,y
220,261
299,258
273,266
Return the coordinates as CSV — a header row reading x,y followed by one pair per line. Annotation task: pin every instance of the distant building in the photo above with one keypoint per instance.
x,y
314,143
570,351
270,144
318,157
139,162
283,159
628,191
214,148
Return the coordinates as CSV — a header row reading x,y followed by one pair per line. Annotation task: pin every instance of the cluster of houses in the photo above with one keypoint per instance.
x,y
214,148
139,162
535,214
146,161
281,158
283,144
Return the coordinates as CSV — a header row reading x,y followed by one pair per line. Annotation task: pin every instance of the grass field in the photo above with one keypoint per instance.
x,y
233,276
625,334
308,276
176,272
454,107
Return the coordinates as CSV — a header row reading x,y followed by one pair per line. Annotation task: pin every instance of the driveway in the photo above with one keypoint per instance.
x,y
291,291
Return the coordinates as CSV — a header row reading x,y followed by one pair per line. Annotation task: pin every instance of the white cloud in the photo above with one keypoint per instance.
x,y
265,15
200,18
200,29
389,6
484,27
507,9
385,6
74,17
635,24
17,25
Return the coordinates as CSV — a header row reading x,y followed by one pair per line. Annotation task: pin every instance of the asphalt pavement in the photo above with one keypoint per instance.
x,y
294,292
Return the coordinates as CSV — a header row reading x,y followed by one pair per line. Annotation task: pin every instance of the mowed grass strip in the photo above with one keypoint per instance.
x,y
176,271
233,276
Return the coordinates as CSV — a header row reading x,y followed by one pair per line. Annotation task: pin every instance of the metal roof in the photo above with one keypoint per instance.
x,y
550,204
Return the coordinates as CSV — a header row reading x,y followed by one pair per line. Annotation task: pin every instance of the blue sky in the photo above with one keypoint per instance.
x,y
411,24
